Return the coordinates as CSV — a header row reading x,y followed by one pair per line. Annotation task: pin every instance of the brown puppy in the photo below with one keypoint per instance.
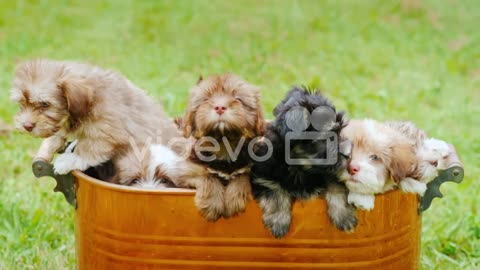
x,y
109,116
223,116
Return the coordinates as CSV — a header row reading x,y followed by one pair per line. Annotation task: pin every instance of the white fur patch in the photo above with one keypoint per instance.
x,y
369,179
362,201
410,185
149,184
438,146
68,162
373,132
162,156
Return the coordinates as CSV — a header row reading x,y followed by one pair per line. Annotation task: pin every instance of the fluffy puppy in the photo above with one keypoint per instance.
x,y
431,155
108,115
381,157
223,116
277,183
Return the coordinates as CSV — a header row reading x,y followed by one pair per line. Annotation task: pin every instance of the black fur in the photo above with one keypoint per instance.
x,y
276,184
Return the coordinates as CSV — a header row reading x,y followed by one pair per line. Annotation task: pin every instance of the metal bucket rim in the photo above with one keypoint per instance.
x,y
168,191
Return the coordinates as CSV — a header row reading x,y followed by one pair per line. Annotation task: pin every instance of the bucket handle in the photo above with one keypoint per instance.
x,y
453,173
65,183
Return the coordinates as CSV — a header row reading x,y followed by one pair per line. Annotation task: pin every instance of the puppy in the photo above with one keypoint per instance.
x,y
381,157
277,182
148,172
223,116
431,155
160,168
109,116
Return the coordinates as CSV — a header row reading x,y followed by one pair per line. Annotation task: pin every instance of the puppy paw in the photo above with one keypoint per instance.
x,y
212,208
345,220
236,201
278,224
410,185
212,213
341,214
68,162
235,205
237,195
361,201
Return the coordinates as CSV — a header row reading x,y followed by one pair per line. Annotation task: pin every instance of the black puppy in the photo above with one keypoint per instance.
x,y
291,172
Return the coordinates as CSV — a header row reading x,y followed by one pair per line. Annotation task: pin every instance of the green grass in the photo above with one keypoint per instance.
x,y
417,60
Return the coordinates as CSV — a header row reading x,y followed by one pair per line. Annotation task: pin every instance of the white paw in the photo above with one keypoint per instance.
x,y
362,201
413,186
68,162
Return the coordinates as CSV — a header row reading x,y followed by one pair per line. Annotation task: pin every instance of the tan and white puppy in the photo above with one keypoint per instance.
x,y
108,115
161,168
431,155
381,157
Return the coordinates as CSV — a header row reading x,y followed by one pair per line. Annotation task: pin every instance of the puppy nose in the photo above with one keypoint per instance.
x,y
29,126
220,109
352,170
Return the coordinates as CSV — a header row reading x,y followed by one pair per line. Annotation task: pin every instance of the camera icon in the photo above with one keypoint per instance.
x,y
311,146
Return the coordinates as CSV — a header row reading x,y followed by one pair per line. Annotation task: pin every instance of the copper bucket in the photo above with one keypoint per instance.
x,y
121,227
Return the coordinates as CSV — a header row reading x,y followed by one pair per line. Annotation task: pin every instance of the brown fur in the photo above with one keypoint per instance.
x,y
242,118
403,162
104,111
424,170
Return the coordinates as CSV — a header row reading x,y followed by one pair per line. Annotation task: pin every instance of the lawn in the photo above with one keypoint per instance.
x,y
417,60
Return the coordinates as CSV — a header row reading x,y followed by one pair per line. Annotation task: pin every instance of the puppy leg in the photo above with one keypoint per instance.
x,y
362,201
88,153
410,185
67,162
276,205
209,198
341,214
237,194
49,147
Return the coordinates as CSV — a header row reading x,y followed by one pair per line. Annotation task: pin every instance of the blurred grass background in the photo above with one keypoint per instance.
x,y
417,60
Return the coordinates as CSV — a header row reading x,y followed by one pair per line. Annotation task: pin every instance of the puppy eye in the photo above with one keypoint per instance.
x,y
374,157
239,99
44,104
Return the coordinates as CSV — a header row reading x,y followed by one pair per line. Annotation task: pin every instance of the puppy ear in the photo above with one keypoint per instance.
x,y
402,162
79,96
200,79
188,123
260,123
178,122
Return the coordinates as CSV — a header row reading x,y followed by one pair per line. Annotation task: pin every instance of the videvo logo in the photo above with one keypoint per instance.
x,y
310,141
